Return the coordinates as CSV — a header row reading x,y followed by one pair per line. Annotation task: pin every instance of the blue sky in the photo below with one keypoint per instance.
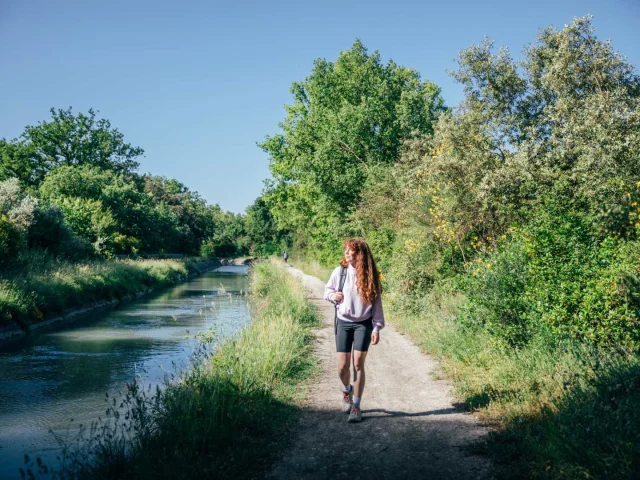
x,y
198,83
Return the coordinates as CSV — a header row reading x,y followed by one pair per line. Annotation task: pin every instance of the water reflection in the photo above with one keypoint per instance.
x,y
57,376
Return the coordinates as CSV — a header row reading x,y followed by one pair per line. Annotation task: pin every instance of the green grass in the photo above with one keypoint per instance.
x,y
226,416
310,266
44,285
561,411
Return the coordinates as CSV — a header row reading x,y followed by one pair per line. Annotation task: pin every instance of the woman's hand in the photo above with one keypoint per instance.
x,y
337,297
375,338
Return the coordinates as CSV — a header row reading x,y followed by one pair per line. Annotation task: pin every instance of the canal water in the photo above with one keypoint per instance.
x,y
56,380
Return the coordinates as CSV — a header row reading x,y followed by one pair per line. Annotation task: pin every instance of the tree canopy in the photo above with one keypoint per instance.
x,y
348,119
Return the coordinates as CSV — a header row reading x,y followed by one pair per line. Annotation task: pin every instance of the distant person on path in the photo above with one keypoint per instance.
x,y
285,256
355,289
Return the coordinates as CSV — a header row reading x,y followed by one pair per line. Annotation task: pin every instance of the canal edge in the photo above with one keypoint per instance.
x,y
13,334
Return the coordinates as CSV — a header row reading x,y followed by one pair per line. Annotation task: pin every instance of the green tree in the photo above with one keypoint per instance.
x,y
567,114
348,119
126,206
192,218
261,229
526,197
67,139
228,237
16,215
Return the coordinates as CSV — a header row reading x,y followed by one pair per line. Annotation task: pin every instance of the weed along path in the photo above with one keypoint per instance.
x,y
410,428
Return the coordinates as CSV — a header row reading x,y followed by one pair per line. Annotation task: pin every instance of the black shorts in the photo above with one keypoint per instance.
x,y
357,334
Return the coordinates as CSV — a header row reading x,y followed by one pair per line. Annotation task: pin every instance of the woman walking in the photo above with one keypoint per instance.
x,y
355,289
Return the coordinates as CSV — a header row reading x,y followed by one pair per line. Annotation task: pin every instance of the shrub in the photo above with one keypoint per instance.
x,y
14,305
557,276
496,288
10,240
50,232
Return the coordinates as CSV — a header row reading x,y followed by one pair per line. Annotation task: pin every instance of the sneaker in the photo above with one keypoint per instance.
x,y
347,400
355,415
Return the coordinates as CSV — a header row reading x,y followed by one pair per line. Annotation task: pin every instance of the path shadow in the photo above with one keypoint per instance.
x,y
390,413
434,444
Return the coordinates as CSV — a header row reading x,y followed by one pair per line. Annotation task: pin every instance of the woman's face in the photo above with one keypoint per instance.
x,y
349,255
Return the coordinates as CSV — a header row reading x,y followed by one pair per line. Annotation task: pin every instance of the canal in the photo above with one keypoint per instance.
x,y
57,380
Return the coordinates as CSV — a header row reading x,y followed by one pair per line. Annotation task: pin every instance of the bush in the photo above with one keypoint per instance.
x,y
16,216
14,305
10,240
496,288
50,232
415,265
557,276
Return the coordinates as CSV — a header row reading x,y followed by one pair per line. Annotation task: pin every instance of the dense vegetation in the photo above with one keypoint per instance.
x,y
69,186
225,415
506,228
71,201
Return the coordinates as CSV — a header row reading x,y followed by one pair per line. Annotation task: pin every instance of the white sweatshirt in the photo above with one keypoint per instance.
x,y
351,308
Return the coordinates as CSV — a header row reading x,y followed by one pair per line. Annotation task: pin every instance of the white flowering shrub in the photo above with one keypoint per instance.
x,y
17,207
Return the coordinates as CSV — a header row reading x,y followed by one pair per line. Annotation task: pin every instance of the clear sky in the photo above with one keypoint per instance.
x,y
198,83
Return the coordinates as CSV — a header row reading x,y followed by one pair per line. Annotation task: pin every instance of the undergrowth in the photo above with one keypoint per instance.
x,y
560,409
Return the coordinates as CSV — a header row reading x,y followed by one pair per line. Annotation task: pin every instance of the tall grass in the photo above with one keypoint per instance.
x,y
44,285
225,416
561,410
309,265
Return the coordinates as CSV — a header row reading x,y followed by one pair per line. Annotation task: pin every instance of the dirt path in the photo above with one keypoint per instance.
x,y
409,430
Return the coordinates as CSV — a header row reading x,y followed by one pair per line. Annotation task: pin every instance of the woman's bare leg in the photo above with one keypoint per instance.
x,y
343,367
358,360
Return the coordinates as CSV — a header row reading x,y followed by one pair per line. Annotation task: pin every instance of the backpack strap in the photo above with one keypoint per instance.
x,y
343,277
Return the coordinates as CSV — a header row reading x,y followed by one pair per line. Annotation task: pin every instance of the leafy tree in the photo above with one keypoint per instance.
x,y
347,119
261,229
17,160
67,139
568,114
16,216
16,205
192,218
228,237
49,231
125,206
527,196
92,221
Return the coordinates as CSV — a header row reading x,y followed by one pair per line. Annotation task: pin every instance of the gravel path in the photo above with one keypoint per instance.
x,y
409,430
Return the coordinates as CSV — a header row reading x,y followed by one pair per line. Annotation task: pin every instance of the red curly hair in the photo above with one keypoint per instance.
x,y
367,275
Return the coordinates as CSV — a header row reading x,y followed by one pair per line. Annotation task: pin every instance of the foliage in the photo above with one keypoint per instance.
x,y
507,234
16,214
15,205
229,237
347,121
261,230
10,240
564,410
94,201
187,219
49,231
526,195
67,139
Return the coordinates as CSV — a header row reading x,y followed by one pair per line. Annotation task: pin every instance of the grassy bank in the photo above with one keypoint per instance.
x,y
225,415
43,285
561,410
